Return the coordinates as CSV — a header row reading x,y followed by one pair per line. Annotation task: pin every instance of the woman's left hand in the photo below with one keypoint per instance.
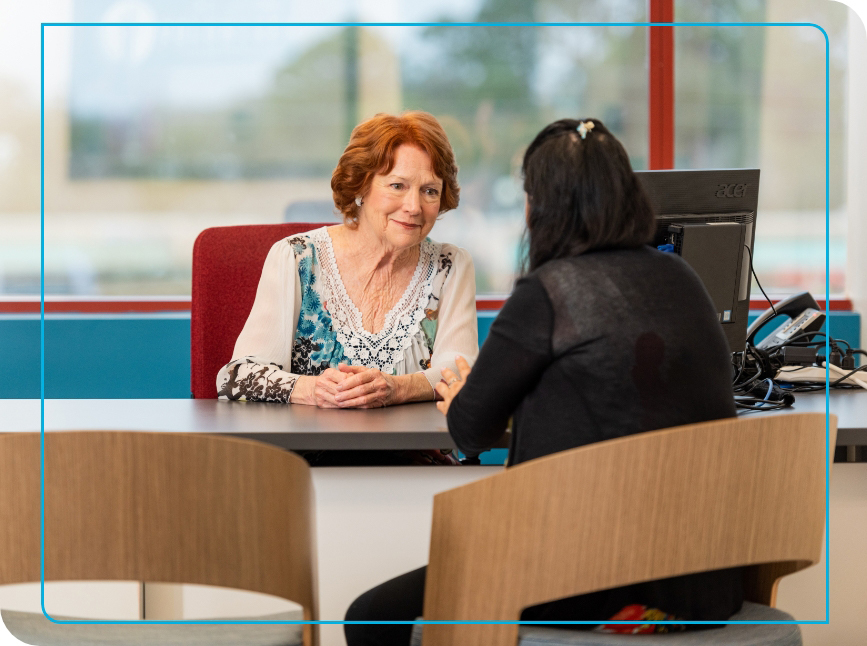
x,y
366,388
452,384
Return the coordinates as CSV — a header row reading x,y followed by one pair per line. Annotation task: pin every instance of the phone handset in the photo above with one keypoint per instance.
x,y
803,312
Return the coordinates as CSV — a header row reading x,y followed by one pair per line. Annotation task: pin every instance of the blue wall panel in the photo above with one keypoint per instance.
x,y
19,356
99,358
141,357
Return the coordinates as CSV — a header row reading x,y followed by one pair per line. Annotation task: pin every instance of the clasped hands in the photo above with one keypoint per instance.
x,y
359,387
354,387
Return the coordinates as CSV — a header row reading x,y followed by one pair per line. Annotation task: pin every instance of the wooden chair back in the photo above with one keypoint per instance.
x,y
160,507
734,492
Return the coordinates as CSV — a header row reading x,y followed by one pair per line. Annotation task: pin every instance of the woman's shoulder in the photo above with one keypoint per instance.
x,y
447,255
604,260
302,242
289,251
640,267
295,247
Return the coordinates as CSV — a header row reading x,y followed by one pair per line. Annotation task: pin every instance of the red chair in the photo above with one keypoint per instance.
x,y
227,263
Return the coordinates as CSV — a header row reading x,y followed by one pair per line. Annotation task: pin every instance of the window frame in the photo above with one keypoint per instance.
x,y
661,102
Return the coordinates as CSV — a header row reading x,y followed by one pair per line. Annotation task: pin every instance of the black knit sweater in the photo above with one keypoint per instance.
x,y
599,346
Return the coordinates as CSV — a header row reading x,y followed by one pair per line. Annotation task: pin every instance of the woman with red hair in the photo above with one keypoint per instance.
x,y
368,312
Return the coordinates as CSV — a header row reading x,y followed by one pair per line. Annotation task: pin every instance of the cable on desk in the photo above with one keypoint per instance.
x,y
754,370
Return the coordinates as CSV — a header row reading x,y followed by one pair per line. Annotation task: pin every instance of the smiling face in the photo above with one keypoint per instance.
x,y
403,204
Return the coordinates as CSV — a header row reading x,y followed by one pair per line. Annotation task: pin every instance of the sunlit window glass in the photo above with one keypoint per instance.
x,y
155,133
165,131
755,97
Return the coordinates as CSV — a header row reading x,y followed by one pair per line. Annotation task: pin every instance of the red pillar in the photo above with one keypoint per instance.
x,y
661,86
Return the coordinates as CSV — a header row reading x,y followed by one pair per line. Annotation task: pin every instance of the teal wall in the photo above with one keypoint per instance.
x,y
144,356
118,357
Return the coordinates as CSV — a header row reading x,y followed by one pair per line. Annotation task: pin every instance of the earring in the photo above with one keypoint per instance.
x,y
358,201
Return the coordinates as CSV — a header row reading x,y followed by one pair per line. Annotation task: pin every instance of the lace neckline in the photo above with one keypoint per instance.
x,y
382,349
338,288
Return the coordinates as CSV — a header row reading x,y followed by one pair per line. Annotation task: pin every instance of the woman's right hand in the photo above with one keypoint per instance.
x,y
325,388
451,384
320,390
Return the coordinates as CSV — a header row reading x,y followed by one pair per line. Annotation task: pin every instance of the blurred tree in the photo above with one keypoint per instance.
x,y
718,80
481,77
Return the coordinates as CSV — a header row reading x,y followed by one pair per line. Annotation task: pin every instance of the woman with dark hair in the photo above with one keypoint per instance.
x,y
604,337
581,193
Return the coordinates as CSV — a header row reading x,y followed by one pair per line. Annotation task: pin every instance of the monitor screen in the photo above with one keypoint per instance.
x,y
708,217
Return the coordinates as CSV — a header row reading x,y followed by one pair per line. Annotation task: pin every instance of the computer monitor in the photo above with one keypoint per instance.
x,y
708,217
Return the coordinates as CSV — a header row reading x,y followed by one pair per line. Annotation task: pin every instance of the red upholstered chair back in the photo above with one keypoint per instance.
x,y
227,263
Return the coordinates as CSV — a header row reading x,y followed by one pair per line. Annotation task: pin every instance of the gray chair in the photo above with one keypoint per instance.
x,y
311,211
735,492
159,507
731,635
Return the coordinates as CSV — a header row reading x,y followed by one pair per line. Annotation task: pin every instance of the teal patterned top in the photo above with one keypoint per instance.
x,y
303,319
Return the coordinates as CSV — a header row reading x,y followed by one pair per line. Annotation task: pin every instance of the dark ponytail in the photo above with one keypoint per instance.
x,y
583,195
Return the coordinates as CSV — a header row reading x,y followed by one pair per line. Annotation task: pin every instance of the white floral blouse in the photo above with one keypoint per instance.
x,y
303,321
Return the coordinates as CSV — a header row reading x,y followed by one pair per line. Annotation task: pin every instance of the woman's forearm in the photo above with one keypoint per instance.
x,y
303,393
412,388
252,379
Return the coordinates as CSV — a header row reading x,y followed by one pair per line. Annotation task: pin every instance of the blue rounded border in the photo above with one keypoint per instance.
x,y
412,24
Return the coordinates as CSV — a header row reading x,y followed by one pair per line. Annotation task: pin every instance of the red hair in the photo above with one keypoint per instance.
x,y
371,150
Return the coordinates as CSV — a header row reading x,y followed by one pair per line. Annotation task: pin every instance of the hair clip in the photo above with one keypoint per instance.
x,y
584,127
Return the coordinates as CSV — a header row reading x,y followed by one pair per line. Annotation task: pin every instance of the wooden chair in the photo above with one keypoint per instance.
x,y
735,492
227,264
158,507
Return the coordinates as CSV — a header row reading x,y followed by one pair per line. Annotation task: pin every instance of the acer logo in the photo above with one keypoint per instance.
x,y
731,190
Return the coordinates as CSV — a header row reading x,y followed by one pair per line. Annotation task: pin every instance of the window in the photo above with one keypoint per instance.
x,y
169,130
155,133
755,97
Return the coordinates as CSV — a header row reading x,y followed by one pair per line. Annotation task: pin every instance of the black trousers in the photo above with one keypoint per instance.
x,y
705,596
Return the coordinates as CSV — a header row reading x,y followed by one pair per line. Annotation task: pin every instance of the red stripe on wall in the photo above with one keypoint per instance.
x,y
96,306
661,87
